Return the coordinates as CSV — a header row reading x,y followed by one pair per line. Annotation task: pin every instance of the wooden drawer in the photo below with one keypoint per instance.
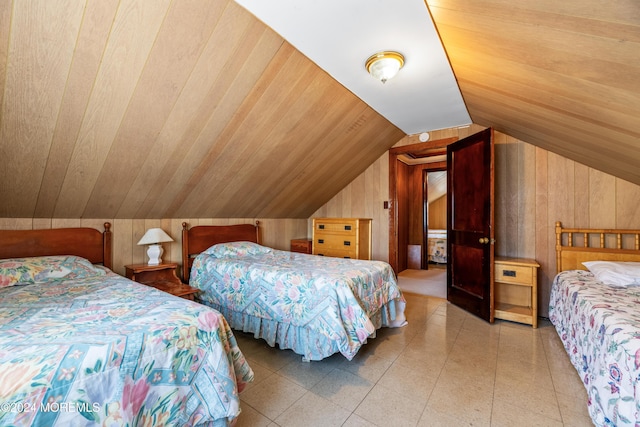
x,y
331,241
516,274
301,245
339,226
338,252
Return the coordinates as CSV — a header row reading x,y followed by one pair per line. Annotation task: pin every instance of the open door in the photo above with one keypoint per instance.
x,y
470,201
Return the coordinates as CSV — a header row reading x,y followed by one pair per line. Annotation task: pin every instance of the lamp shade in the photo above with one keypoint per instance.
x,y
153,236
384,65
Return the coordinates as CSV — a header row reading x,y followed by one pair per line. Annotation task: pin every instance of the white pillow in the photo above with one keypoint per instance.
x,y
615,273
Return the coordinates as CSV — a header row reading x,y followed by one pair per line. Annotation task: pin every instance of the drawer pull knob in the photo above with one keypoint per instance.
x,y
347,243
347,227
320,240
321,226
509,273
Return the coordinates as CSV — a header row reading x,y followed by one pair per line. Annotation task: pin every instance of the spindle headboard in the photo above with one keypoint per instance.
x,y
577,245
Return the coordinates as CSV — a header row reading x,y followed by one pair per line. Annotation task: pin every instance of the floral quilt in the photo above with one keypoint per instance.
x,y
437,250
599,326
314,305
105,351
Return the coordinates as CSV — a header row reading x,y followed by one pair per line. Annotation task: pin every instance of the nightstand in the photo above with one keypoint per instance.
x,y
162,277
516,290
301,245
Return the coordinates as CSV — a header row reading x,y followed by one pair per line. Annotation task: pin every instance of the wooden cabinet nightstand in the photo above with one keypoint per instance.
x,y
516,290
162,277
301,245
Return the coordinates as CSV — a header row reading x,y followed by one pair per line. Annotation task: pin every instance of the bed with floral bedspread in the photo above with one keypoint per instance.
x,y
313,305
599,326
80,345
437,246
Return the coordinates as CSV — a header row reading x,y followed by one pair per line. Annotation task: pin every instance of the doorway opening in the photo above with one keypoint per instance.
x,y
407,193
418,216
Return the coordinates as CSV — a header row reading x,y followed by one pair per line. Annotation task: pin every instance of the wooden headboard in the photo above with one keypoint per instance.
x,y
201,237
85,242
577,245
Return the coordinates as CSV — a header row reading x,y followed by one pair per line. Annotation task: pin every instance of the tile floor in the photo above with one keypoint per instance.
x,y
445,368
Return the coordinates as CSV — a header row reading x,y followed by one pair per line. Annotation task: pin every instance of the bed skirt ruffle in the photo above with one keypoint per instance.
x,y
301,340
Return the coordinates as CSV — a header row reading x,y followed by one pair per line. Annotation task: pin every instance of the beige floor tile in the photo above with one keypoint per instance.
x,y
271,357
451,323
260,373
385,407
446,368
367,366
569,383
402,379
571,419
539,400
514,369
313,411
461,368
433,418
470,400
272,396
438,337
343,388
356,421
506,415
423,364
455,411
308,374
249,417
522,344
388,344
573,410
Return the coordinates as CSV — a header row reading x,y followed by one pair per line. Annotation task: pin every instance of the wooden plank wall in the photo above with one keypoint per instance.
x,y
275,233
438,213
534,189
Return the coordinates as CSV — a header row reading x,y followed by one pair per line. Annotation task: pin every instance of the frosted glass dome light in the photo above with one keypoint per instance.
x,y
384,65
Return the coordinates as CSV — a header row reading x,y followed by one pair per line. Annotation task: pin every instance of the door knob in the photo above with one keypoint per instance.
x,y
484,240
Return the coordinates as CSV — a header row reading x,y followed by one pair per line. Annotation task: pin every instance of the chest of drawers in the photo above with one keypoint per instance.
x,y
342,237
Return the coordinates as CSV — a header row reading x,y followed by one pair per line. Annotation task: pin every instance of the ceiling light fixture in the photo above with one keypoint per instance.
x,y
384,65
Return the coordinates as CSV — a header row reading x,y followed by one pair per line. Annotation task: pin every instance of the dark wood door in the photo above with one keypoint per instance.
x,y
470,244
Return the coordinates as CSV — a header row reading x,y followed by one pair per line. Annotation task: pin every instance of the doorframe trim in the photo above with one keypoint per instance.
x,y
394,152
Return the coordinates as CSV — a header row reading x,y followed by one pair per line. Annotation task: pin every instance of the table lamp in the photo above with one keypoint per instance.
x,y
154,237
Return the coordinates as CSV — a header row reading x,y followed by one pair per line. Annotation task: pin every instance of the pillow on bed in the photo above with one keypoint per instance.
x,y
21,271
236,249
615,273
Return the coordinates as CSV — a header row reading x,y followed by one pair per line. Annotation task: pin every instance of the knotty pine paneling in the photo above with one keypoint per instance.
x,y
275,233
534,189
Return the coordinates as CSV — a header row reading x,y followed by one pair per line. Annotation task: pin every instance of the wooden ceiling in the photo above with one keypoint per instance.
x,y
194,108
169,109
562,75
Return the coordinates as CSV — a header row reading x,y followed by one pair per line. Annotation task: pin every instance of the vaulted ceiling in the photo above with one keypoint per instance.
x,y
162,109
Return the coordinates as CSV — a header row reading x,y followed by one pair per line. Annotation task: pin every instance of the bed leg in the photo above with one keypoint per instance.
x,y
304,359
